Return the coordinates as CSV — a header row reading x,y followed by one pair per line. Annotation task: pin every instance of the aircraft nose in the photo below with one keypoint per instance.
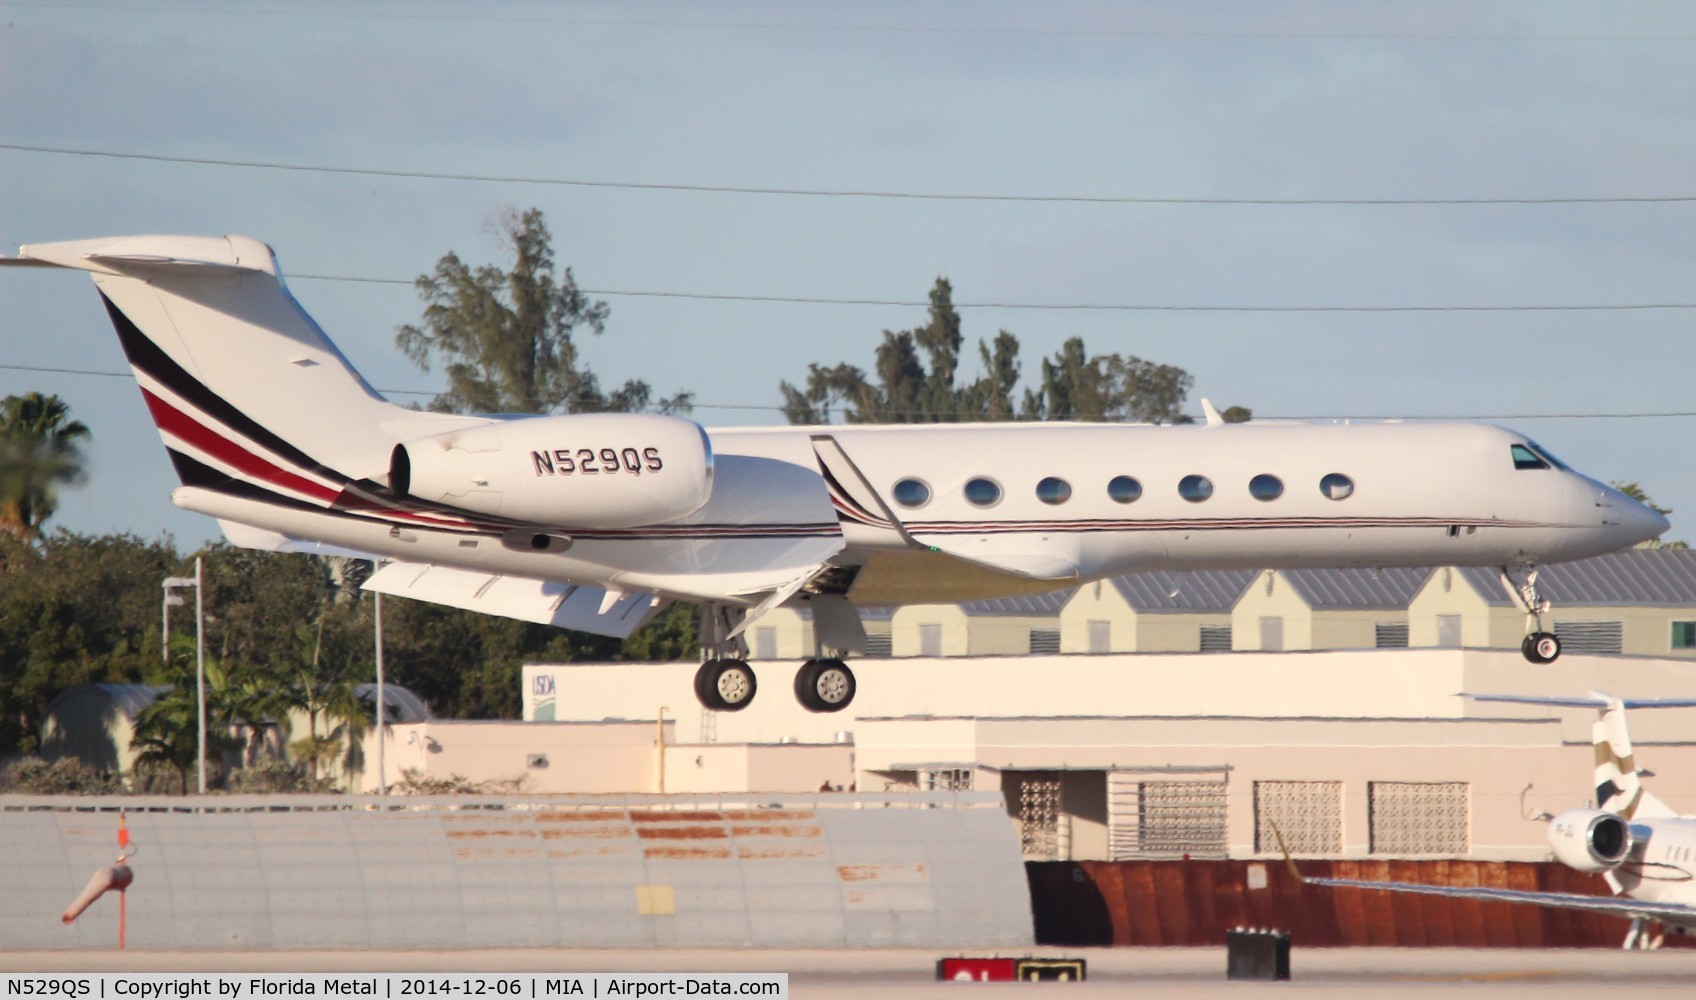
x,y
1638,522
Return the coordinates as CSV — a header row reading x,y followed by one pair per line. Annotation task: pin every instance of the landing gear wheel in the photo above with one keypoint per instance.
x,y
1541,647
725,685
824,685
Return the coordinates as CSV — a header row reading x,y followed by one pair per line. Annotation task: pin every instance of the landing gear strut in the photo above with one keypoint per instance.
x,y
1539,646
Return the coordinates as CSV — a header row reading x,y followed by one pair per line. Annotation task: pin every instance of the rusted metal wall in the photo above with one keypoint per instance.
x,y
1195,902
934,870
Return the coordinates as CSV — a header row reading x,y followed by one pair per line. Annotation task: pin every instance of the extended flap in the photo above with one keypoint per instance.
x,y
545,602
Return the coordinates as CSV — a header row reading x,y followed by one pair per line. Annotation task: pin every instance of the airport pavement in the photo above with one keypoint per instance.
x,y
890,974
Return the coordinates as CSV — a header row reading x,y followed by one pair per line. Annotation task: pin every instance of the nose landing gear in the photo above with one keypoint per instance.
x,y
1539,646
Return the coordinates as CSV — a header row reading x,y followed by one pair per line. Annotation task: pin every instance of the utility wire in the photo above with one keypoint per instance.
x,y
1071,306
1643,415
952,29
1048,199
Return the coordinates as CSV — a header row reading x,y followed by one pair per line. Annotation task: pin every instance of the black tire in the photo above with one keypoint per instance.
x,y
825,686
1546,646
726,685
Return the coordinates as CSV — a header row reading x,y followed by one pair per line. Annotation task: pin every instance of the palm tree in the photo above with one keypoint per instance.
x,y
40,451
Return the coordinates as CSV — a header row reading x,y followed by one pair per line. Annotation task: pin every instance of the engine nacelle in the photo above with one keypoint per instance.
x,y
1590,840
595,470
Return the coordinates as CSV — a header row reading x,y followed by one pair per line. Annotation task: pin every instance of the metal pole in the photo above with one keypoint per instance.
x,y
382,703
165,626
200,670
659,773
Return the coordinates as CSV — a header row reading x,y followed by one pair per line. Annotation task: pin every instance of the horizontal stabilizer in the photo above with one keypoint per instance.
x,y
142,256
545,602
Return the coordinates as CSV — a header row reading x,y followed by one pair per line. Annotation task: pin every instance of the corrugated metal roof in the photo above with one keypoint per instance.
x,y
402,703
129,699
1196,592
1390,587
1659,577
1039,605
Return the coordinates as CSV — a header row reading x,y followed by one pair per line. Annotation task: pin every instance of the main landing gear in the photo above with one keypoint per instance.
x,y
726,683
729,685
1539,646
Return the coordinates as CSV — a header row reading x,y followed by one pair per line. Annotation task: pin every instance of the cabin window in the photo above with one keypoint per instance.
x,y
1054,490
1266,487
1124,489
983,492
1525,458
912,493
1195,489
1336,486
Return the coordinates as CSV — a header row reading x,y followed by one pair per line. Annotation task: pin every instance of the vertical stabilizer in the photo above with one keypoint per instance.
x,y
1619,789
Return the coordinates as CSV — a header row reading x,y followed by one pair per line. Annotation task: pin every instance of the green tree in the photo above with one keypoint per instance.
x,y
506,338
916,377
40,451
74,609
1079,386
167,735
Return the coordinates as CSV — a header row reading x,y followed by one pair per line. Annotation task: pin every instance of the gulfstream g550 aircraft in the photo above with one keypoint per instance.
x,y
592,521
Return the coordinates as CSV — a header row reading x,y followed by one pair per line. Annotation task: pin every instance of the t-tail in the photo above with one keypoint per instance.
x,y
1618,782
248,393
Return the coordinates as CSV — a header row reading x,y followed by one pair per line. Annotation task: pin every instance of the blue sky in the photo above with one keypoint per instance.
x,y
1252,100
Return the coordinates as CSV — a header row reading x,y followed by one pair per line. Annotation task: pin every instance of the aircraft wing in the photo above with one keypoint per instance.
x,y
1672,913
545,602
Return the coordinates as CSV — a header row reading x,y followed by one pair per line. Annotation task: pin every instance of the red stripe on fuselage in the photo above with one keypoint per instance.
x,y
186,428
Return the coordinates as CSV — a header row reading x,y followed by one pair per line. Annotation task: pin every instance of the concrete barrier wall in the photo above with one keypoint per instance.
x,y
939,870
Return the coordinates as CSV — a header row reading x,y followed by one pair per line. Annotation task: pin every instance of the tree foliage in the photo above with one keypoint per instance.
x,y
916,379
506,339
40,451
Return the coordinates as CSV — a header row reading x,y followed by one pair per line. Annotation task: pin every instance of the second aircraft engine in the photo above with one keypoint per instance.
x,y
596,470
1590,840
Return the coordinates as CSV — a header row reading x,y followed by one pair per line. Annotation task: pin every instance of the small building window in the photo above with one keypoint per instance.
x,y
1124,489
1054,490
912,493
1216,638
1045,640
1195,489
1336,486
1389,635
982,492
1684,635
1525,458
1265,487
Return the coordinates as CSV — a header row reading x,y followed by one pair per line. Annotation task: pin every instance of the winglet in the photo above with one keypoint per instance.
x,y
1211,413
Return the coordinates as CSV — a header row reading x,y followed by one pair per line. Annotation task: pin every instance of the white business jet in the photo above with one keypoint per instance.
x,y
593,521
1645,850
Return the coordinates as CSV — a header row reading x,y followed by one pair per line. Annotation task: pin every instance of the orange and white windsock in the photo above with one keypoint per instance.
x,y
117,877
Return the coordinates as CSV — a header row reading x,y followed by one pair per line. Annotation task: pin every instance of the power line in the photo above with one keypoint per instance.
x,y
855,193
1643,415
1062,306
953,29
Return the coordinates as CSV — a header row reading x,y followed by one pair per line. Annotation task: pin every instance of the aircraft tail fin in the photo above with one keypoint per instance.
x,y
1619,788
247,391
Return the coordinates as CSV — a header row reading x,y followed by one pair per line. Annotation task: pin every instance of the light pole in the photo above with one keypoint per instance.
x,y
172,583
382,703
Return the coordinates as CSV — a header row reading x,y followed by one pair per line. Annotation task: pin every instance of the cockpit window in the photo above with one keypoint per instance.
x,y
1525,458
1546,455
